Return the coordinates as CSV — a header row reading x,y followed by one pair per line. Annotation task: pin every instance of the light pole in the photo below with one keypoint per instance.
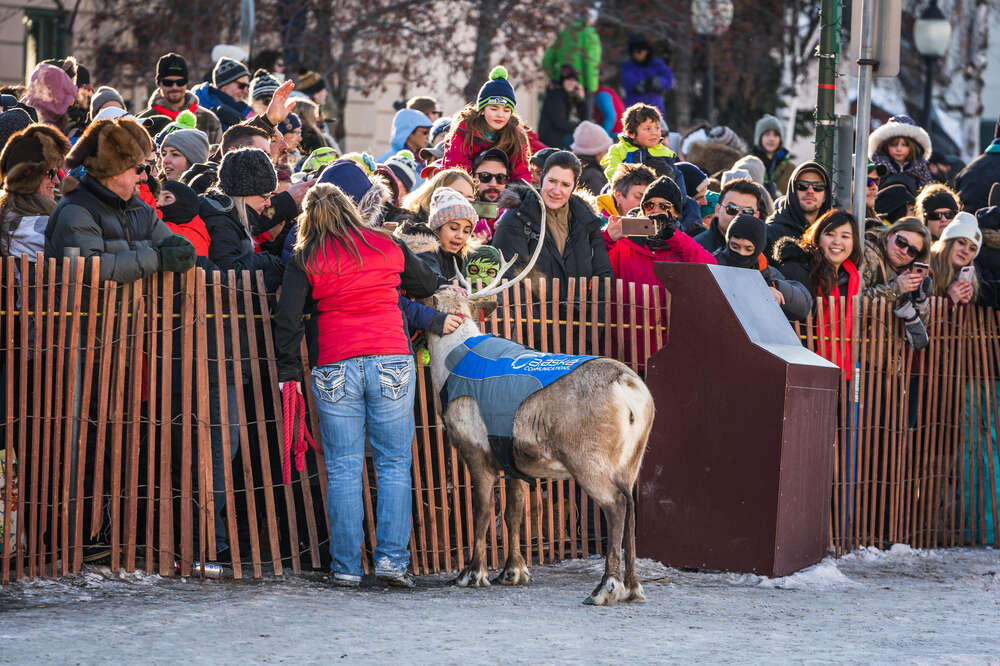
x,y
932,34
710,19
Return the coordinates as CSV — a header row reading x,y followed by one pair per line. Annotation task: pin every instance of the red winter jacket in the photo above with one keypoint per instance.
x,y
633,262
194,230
455,155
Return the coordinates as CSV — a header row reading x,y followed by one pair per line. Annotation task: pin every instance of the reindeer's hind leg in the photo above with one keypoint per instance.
x,y
515,572
611,590
632,585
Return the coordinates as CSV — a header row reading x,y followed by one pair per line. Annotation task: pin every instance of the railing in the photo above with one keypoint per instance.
x,y
108,392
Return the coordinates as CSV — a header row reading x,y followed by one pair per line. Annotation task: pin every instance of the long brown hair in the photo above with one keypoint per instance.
x,y
943,271
329,219
821,272
511,139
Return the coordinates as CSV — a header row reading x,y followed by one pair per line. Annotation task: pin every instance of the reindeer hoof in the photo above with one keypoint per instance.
x,y
472,578
607,593
635,594
519,576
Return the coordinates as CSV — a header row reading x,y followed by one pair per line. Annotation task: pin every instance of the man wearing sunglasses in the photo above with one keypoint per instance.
x,y
739,197
172,96
226,94
807,198
490,170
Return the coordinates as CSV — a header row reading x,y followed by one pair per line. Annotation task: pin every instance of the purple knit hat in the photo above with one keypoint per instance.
x,y
50,91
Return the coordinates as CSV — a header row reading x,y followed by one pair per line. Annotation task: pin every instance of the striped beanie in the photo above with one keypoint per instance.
x,y
448,205
497,90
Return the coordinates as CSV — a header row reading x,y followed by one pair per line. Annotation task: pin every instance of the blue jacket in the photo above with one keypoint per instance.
x,y
229,111
635,81
403,124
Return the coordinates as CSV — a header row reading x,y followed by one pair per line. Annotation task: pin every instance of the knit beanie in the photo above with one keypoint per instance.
x,y
766,124
291,123
537,160
693,177
191,143
590,139
185,205
227,70
363,160
29,155
405,167
246,172
964,225
496,91
12,121
753,166
727,137
310,83
447,205
155,124
664,188
171,64
318,160
50,91
439,129
263,85
349,177
891,201
749,228
201,177
939,199
102,96
734,174
82,77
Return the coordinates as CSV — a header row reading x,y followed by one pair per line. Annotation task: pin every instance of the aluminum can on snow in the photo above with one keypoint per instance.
x,y
212,569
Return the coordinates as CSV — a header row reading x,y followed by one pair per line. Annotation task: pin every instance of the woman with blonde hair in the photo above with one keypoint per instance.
x,y
363,376
418,202
955,274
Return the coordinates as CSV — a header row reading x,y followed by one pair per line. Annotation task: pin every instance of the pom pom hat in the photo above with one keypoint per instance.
x,y
496,91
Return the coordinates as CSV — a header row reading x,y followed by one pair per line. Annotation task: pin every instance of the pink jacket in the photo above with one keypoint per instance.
x,y
455,155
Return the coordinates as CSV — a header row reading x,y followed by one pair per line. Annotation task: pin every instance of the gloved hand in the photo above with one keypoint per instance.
x,y
177,254
923,292
665,226
914,329
653,84
640,88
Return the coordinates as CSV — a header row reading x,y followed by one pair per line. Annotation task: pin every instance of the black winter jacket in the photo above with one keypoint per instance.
x,y
555,126
788,218
123,234
592,178
232,245
975,180
712,239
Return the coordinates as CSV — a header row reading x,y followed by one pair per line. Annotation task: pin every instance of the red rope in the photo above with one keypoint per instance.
x,y
294,405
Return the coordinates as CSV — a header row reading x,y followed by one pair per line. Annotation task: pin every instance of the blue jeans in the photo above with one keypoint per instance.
x,y
373,396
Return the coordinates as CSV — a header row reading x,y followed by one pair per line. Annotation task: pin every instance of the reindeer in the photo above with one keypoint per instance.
x,y
591,424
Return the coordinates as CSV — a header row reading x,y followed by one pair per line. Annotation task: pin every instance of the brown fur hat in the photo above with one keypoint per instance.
x,y
712,156
28,155
110,147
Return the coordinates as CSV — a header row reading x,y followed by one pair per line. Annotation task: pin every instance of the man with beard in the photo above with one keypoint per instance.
x,y
808,197
171,97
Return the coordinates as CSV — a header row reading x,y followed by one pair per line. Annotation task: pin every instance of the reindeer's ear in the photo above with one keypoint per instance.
x,y
482,308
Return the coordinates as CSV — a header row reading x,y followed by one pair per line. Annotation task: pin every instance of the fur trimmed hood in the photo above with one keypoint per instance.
x,y
417,236
900,126
372,203
110,147
788,249
28,155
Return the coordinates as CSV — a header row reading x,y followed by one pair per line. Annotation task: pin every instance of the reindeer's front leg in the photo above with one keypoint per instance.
x,y
483,479
515,572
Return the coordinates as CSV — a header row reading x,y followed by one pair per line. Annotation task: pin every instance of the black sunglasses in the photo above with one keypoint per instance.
x,y
873,181
733,210
803,185
487,177
906,247
142,169
941,215
52,173
174,83
658,205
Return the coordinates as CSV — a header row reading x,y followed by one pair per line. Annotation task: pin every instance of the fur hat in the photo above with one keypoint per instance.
x,y
227,70
447,205
12,121
664,188
50,91
405,167
767,123
900,126
590,139
246,172
191,143
102,96
110,147
28,155
964,225
496,91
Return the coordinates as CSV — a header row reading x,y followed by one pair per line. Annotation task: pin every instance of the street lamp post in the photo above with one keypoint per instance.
x,y
710,19
931,34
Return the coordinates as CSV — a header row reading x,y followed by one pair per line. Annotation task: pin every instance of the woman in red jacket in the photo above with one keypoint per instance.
x,y
363,377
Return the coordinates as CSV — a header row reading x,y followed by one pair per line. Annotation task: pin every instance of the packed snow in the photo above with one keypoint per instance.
x,y
899,605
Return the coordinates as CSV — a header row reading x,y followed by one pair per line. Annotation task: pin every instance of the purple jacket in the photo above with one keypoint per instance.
x,y
637,88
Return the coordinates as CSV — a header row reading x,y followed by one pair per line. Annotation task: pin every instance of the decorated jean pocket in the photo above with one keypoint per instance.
x,y
330,382
394,376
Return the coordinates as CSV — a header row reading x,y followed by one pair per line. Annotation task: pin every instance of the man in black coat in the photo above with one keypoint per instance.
x,y
974,181
808,197
562,110
738,197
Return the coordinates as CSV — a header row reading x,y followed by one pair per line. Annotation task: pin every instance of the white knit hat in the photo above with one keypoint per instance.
x,y
448,205
964,225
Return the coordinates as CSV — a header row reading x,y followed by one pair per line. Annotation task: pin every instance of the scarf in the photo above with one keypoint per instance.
x,y
557,226
173,114
834,344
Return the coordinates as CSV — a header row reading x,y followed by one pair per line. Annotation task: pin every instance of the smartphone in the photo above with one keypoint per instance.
x,y
966,273
921,268
486,209
638,226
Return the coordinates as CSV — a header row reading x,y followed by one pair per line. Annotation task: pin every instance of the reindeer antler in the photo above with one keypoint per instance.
x,y
505,265
462,281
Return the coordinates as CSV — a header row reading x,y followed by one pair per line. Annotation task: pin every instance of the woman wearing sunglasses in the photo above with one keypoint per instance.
x,y
889,256
937,205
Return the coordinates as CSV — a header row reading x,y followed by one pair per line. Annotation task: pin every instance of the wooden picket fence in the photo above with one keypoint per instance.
x,y
108,392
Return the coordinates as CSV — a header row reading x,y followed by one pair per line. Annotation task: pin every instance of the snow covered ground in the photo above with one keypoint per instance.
x,y
871,606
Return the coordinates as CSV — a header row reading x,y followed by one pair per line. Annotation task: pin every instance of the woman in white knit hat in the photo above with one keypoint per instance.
x,y
952,266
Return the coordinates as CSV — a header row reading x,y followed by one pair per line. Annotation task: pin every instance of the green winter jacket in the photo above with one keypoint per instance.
x,y
626,151
579,47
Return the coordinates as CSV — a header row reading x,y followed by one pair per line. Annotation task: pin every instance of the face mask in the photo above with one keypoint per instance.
x,y
737,260
483,265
